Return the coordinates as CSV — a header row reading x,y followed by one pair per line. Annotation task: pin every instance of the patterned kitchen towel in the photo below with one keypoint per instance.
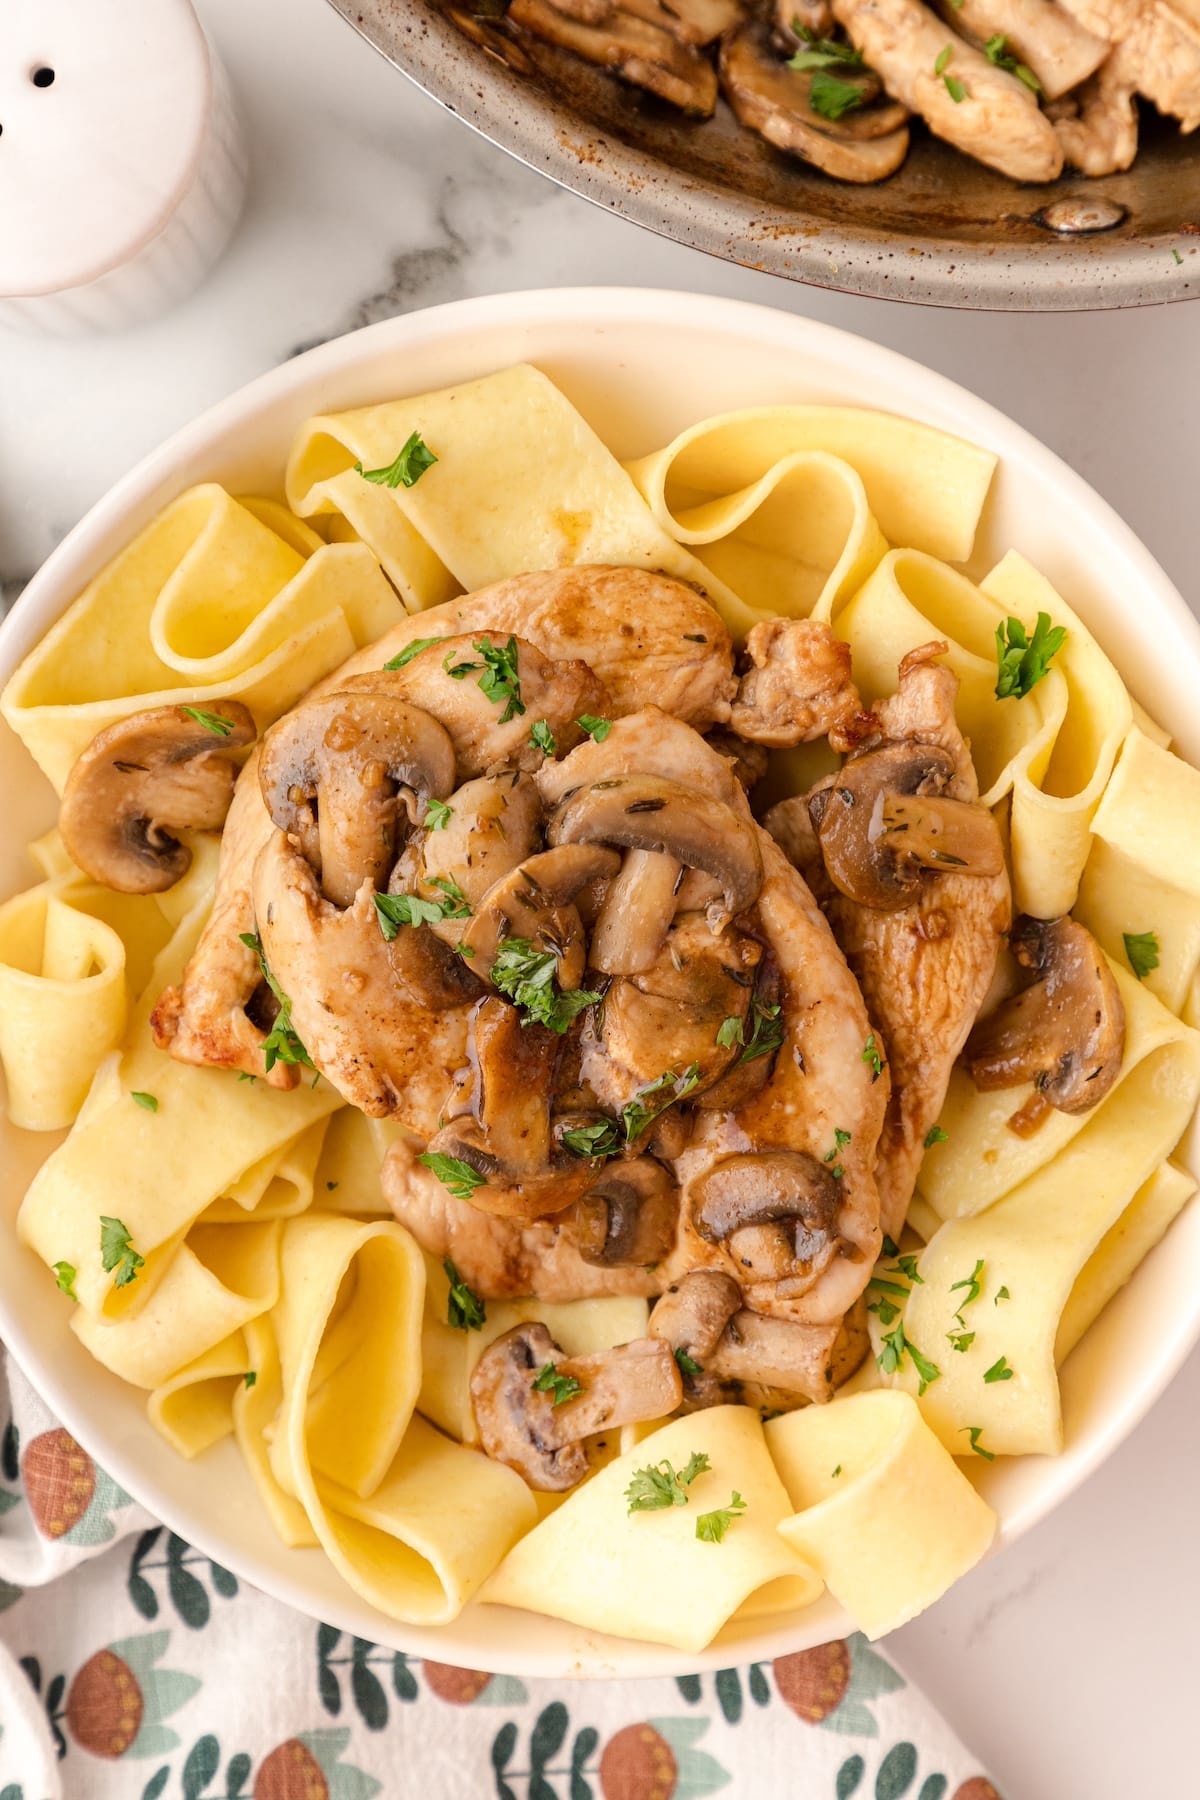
x,y
133,1668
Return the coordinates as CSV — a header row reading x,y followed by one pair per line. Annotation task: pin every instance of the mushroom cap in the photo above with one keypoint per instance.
x,y
777,1353
649,812
533,902
630,1215
335,771
141,780
862,860
866,144
772,1209
1065,1031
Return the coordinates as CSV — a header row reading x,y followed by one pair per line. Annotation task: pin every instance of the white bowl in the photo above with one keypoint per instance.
x,y
640,365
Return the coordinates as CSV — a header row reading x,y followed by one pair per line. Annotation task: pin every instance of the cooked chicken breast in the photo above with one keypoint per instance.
x,y
1097,125
1160,40
645,636
925,968
995,117
1056,49
799,688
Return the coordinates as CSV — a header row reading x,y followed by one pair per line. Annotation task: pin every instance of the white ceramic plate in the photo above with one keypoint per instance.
x,y
640,365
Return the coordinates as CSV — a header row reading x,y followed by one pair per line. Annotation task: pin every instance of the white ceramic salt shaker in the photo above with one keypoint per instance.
x,y
122,167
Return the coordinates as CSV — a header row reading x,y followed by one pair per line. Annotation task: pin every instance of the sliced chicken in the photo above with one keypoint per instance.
x,y
925,967
1098,125
1058,51
963,97
646,636
649,55
799,688
1160,40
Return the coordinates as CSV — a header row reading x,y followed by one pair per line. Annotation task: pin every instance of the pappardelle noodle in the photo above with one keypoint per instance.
x,y
627,1006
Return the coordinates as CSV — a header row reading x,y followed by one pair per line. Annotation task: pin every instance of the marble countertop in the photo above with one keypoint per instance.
x,y
1069,1662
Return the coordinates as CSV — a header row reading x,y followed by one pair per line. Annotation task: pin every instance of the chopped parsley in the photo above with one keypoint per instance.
x,y
408,468
889,1247
822,53
943,60
835,1472
997,51
395,910
960,1340
465,1310
975,1432
1021,660
499,677
872,1057
563,1387
730,1032
712,1526
891,1357
148,1102
281,1043
1141,948
935,1135
600,1139
437,815
453,1173
999,1371
832,98
402,660
64,1279
117,1253
658,1485
210,721
541,737
250,1377
840,1140
955,89
688,1364
595,728
1002,1294
766,1031
636,1115
908,1266
529,978
971,1282
331,1185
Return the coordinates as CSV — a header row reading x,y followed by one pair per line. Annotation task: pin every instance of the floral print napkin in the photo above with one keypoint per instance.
x,y
132,1667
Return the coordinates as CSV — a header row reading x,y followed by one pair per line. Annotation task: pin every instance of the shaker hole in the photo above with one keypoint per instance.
x,y
43,78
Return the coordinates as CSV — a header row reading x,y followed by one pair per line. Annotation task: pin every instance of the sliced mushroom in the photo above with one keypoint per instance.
x,y
687,1011
636,913
533,903
1065,1032
775,1353
775,1211
647,812
506,1136
520,1425
647,55
630,1216
145,778
868,142
884,826
494,824
335,773
693,1313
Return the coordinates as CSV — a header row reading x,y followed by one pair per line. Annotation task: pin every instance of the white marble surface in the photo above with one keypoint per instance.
x,y
1070,1663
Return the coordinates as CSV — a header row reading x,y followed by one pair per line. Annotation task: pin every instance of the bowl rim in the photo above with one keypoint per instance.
x,y
174,464
1062,274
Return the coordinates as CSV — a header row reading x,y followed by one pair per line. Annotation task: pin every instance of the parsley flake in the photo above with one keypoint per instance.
x,y
499,676
766,1031
1022,661
148,1102
395,910
996,50
935,1135
250,1377
658,1485
281,1043
529,978
408,468
1002,1294
465,1310
563,1387
541,737
636,1115
712,1526
437,815
822,53
730,1032
64,1279
960,1340
832,98
971,1282
999,1371
1141,948
220,727
405,656
834,1473
453,1173
871,1055
595,728
955,89
117,1253
890,1358
943,60
600,1139
975,1432
908,1266
688,1364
